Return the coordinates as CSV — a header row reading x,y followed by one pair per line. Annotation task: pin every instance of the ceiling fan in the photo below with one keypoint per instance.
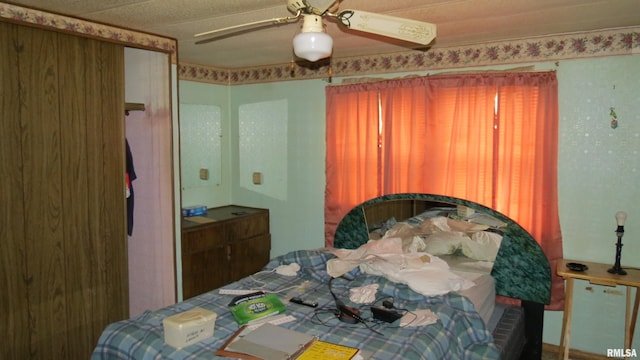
x,y
313,43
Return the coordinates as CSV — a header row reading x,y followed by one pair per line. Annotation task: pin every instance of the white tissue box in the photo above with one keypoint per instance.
x,y
189,327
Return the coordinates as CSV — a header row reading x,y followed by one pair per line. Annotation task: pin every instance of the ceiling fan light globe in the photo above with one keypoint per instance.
x,y
312,46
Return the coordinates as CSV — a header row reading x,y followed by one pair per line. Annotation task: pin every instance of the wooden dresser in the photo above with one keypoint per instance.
x,y
234,244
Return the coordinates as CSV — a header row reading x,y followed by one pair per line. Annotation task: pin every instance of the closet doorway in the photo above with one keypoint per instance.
x,y
151,253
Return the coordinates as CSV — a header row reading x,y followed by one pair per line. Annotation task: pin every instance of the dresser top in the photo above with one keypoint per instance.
x,y
218,214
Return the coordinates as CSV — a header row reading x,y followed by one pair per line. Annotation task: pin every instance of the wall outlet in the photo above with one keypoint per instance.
x,y
257,178
204,174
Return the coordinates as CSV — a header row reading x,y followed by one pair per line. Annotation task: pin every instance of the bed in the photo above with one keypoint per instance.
x,y
461,329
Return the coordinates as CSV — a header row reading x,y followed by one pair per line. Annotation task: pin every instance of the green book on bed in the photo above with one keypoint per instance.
x,y
254,306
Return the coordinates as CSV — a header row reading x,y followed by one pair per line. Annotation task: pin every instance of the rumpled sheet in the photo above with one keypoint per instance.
x,y
423,273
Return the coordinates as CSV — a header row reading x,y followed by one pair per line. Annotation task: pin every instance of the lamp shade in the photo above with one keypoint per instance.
x,y
312,46
312,43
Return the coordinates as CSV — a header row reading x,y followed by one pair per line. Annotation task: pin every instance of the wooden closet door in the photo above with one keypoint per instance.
x,y
66,261
14,315
42,191
92,162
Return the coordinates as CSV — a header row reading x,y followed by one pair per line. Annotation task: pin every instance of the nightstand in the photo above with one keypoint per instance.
x,y
597,274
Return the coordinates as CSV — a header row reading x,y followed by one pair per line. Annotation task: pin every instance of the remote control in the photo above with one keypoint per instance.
x,y
297,300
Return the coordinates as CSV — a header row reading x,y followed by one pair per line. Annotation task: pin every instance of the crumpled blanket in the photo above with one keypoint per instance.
x,y
423,273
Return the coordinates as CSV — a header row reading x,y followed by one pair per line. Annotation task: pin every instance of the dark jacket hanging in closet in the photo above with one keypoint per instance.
x,y
131,175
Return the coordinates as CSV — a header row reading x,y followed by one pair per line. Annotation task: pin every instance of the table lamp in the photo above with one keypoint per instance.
x,y
621,217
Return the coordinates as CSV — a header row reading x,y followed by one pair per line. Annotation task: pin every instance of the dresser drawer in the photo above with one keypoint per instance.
x,y
203,238
248,226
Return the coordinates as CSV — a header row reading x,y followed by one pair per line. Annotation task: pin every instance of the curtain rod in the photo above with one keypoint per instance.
x,y
528,68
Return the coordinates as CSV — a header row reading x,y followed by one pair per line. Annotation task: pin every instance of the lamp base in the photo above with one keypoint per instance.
x,y
617,270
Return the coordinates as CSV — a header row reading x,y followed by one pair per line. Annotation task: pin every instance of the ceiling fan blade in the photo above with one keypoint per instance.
x,y
247,26
395,27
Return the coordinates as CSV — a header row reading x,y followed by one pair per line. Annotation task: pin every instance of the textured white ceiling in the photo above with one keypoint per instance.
x,y
460,22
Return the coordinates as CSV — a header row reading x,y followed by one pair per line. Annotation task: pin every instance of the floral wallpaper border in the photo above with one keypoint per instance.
x,y
63,23
609,42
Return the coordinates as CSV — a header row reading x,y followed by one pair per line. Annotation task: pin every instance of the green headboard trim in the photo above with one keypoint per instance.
x,y
521,269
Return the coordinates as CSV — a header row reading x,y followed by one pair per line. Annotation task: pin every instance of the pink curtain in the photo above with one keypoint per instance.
x,y
488,138
353,147
527,188
426,150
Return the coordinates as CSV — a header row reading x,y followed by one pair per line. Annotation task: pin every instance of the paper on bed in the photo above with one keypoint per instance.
x,y
387,249
427,275
350,259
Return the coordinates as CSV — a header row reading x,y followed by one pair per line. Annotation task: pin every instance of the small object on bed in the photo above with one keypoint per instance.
x,y
327,350
299,301
254,306
189,327
573,266
236,291
383,314
268,342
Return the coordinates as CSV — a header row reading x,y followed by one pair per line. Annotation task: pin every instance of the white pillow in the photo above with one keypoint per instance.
x,y
444,243
401,230
483,246
413,244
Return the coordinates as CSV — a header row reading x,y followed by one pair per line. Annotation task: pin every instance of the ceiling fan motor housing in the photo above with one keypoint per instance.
x,y
312,23
317,7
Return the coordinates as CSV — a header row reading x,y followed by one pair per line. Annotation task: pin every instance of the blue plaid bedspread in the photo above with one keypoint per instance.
x,y
459,334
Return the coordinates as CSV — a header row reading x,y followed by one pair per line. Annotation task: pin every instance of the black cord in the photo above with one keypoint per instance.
x,y
377,323
315,319
344,310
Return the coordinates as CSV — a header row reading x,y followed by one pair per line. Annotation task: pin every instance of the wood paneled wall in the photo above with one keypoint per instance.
x,y
63,260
